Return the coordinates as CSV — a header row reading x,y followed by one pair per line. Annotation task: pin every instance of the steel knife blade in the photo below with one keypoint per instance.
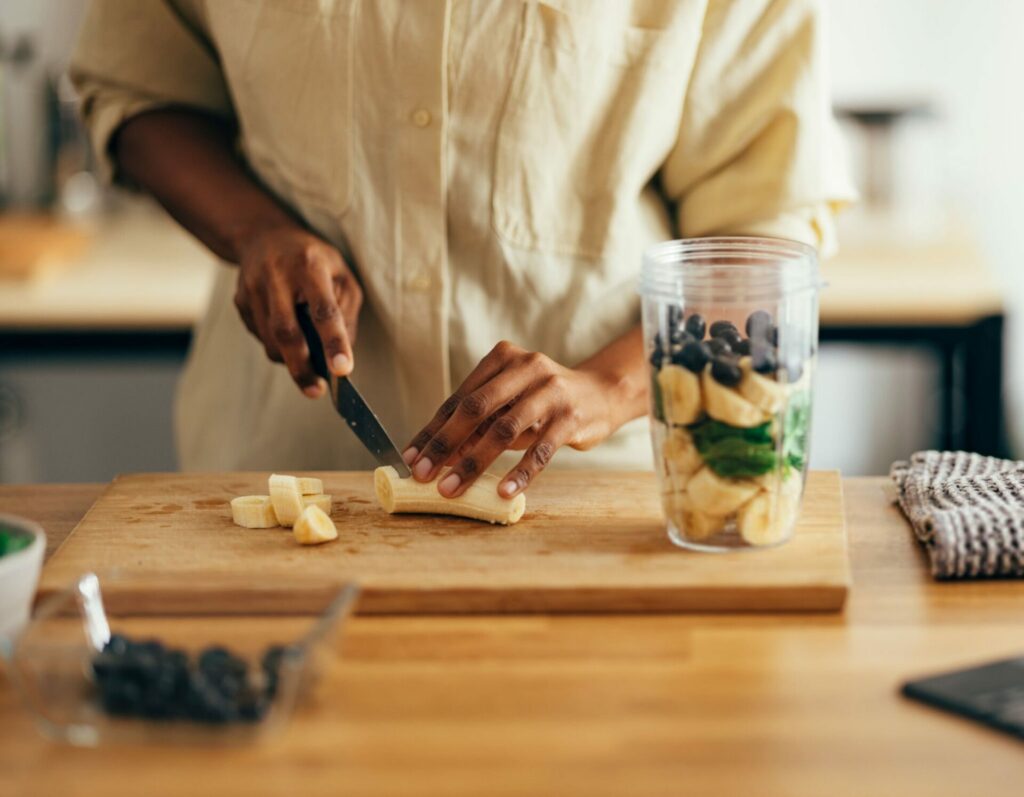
x,y
349,404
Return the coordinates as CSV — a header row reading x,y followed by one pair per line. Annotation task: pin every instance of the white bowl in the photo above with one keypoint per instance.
x,y
19,574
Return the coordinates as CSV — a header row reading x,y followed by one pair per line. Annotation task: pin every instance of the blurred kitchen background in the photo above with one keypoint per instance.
x,y
921,324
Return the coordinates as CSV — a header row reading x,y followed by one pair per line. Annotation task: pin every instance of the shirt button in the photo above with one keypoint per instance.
x,y
418,282
421,117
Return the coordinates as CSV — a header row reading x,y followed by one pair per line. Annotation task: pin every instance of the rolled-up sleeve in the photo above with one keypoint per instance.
x,y
759,152
136,56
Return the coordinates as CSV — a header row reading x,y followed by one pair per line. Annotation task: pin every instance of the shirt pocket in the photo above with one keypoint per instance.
x,y
592,111
289,68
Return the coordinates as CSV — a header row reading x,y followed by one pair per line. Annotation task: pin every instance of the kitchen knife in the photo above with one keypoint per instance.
x,y
349,404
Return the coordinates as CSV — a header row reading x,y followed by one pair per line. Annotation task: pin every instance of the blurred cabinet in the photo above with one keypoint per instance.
x,y
86,417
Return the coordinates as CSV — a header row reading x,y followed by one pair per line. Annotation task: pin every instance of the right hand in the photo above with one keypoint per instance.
x,y
284,266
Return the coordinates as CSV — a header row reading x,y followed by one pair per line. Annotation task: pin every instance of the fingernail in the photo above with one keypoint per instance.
x,y
312,391
449,484
410,454
339,362
508,487
423,468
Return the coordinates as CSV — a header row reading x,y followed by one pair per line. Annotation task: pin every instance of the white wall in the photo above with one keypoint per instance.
x,y
968,58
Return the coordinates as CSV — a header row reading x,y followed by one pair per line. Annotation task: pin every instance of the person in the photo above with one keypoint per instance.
x,y
461,191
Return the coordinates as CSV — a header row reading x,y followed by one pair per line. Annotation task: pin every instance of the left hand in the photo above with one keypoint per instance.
x,y
514,399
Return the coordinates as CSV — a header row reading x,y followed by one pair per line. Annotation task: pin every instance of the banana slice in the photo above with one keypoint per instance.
x,y
680,391
726,405
310,486
313,527
759,521
769,395
286,498
681,457
480,501
713,495
320,500
769,518
253,512
699,526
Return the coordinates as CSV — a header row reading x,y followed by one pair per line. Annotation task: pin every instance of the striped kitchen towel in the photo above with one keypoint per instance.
x,y
967,510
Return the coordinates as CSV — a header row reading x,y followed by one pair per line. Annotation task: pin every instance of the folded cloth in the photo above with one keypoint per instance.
x,y
967,510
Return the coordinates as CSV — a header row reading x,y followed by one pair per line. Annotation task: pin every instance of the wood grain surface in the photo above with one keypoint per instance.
x,y
773,705
590,541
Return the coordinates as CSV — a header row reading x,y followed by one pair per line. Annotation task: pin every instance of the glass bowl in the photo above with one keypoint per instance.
x,y
56,665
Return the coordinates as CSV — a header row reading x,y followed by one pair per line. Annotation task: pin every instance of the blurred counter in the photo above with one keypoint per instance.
x,y
139,271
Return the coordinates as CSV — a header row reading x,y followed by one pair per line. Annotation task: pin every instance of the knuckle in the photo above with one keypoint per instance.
x,y
521,476
469,467
421,439
506,429
450,405
439,446
555,383
325,309
542,453
474,406
286,333
504,349
534,359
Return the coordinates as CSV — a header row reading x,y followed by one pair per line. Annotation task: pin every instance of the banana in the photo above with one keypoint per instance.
x,y
680,391
320,500
253,512
310,486
769,517
726,405
313,527
698,526
712,495
286,498
769,395
480,502
681,457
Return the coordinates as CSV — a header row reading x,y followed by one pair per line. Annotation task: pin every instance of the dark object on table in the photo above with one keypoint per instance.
x,y
967,510
992,694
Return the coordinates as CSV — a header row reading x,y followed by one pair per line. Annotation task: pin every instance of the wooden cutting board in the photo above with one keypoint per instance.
x,y
591,541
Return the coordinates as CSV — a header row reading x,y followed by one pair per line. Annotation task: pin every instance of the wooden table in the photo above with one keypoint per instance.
x,y
718,705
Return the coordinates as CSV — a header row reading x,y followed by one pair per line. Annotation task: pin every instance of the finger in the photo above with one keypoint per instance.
x,y
485,370
329,322
350,300
287,336
537,456
244,307
472,410
505,430
261,319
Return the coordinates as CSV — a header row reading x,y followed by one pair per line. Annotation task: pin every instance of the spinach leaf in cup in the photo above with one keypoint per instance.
x,y
733,452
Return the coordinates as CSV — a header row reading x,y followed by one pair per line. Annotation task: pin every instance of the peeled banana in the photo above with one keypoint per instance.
x,y
680,453
726,405
762,392
320,500
309,486
286,497
769,517
313,527
680,395
713,495
698,526
253,512
480,502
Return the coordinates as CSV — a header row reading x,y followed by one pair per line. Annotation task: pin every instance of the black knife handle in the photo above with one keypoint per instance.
x,y
316,348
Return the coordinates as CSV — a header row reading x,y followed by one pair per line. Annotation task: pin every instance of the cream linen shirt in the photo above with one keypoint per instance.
x,y
492,168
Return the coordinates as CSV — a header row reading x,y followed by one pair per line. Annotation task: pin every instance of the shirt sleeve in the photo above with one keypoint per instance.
x,y
135,56
759,152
